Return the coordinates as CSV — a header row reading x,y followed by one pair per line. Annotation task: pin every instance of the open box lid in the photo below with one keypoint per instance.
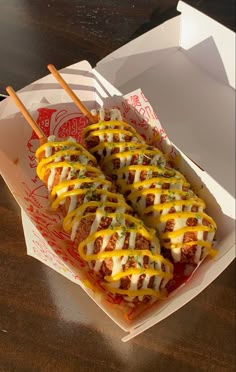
x,y
186,68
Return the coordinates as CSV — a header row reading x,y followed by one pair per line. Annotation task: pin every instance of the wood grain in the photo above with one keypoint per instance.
x,y
48,323
33,35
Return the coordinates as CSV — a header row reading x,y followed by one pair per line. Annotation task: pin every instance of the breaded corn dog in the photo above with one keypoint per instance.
x,y
114,242
160,194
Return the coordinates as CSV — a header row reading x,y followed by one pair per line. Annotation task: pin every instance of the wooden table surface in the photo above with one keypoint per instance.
x,y
47,323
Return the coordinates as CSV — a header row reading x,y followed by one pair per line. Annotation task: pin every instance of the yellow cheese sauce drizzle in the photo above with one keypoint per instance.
x,y
173,234
77,182
59,154
61,164
64,144
109,125
84,191
80,210
139,292
147,168
110,131
88,187
134,195
110,231
198,215
200,243
152,181
175,203
140,153
137,271
124,252
110,145
139,227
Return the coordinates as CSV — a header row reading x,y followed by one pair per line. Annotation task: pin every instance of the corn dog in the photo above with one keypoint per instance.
x,y
160,194
109,236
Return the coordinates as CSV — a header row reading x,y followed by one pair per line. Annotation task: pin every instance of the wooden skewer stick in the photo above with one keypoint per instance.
x,y
69,91
26,114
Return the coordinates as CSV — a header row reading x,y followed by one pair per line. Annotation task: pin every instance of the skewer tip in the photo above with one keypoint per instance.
x,y
8,88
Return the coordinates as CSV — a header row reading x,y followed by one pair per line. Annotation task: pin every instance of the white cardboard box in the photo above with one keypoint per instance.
x,y
186,69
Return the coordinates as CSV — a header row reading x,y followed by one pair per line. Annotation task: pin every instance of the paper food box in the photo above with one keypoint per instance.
x,y
185,68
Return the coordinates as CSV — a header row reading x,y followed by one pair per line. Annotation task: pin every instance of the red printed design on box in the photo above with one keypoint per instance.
x,y
58,122
44,121
145,120
72,127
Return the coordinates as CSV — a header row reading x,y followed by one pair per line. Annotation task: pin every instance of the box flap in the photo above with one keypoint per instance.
x,y
199,29
188,82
